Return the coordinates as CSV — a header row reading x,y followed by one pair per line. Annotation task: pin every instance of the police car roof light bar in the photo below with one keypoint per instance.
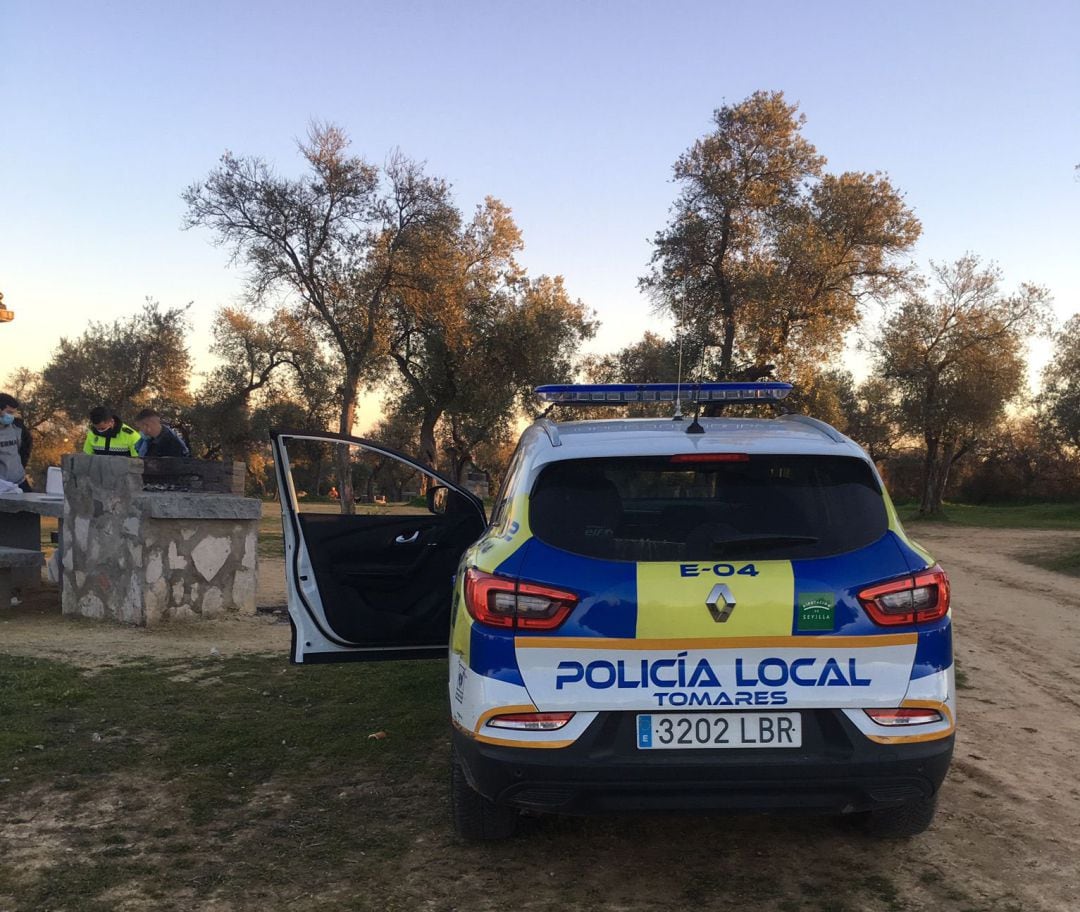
x,y
623,393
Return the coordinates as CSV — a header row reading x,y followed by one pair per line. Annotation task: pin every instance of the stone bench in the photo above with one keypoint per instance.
x,y
12,559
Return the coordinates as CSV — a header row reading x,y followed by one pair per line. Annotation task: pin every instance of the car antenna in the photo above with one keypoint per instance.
x,y
678,387
695,425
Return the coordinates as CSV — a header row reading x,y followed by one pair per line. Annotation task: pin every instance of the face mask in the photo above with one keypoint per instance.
x,y
6,419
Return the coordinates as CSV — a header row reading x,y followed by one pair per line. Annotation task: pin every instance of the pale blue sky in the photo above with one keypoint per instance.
x,y
572,113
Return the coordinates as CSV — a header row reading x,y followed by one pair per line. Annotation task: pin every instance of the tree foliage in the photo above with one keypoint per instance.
x,y
652,359
271,369
767,255
473,335
1060,400
955,359
467,385
54,433
136,361
332,245
1023,458
871,418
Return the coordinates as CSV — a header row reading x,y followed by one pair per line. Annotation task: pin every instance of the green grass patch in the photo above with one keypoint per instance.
x,y
218,725
247,783
884,890
271,538
1063,559
1000,516
214,761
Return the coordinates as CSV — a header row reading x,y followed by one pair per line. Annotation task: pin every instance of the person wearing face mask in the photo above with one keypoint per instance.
x,y
15,443
109,436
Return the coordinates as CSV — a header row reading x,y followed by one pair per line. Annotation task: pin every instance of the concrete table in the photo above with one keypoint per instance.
x,y
20,527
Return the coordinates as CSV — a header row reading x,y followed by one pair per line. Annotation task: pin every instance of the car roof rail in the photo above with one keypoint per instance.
x,y
827,429
551,429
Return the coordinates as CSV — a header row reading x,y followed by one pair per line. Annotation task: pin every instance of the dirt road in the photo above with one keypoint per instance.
x,y
1007,836
36,628
1010,813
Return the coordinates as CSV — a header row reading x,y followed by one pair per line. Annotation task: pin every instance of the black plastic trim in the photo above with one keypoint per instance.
x,y
386,654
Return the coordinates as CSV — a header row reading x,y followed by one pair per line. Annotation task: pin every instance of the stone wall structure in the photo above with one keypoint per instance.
x,y
144,556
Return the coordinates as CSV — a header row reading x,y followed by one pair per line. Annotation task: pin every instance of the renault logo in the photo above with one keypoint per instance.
x,y
720,602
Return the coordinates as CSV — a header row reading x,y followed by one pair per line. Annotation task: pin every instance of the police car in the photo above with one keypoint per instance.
x,y
719,614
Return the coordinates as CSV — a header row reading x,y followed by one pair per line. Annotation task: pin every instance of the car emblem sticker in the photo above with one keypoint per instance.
x,y
816,611
720,602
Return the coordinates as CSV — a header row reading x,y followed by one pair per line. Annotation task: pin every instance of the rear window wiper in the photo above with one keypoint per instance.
x,y
764,540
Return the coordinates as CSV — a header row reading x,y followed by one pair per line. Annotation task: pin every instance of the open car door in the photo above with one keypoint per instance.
x,y
375,583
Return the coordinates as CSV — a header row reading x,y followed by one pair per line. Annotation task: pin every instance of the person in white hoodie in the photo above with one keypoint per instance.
x,y
15,444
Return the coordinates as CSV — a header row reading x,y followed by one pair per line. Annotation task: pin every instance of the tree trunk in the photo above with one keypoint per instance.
x,y
931,468
948,457
345,427
939,462
727,349
429,452
428,448
460,464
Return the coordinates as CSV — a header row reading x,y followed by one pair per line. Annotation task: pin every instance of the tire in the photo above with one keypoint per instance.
x,y
909,819
476,819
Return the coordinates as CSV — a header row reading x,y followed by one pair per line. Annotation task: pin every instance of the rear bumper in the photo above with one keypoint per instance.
x,y
836,771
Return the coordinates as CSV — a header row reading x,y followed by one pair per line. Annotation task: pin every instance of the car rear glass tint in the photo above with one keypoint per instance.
x,y
764,507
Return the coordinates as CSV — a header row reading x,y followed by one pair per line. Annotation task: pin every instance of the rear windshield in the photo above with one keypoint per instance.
x,y
682,508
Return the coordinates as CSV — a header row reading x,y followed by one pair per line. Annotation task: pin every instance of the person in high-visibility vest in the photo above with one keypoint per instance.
x,y
109,436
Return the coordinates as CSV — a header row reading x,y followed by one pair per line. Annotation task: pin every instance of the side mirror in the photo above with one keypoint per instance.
x,y
438,498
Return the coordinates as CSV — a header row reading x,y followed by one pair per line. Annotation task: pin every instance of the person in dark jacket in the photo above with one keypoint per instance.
x,y
15,443
158,439
109,436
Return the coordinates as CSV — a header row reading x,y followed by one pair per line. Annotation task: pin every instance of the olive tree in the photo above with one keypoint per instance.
x,y
955,358
331,245
1060,399
765,254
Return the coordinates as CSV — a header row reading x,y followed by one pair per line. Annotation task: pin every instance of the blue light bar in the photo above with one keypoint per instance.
x,y
616,393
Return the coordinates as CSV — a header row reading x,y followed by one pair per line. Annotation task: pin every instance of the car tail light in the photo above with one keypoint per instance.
x,y
904,716
709,457
531,721
910,600
502,602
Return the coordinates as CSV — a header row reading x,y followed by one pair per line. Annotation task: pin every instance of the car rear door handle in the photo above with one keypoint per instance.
x,y
404,539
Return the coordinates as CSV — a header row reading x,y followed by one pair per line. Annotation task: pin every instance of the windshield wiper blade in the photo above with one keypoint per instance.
x,y
766,540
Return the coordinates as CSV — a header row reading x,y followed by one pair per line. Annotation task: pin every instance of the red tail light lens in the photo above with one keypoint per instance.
x,y
501,602
904,716
531,721
910,600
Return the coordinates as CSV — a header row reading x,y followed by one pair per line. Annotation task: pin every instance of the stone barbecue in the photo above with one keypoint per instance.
x,y
172,543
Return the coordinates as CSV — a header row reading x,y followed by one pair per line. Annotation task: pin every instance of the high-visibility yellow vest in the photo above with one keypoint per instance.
x,y
120,443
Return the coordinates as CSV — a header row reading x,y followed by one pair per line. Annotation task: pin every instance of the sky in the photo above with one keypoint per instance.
x,y
572,113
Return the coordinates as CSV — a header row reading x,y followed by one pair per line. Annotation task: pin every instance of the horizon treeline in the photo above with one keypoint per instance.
x,y
365,279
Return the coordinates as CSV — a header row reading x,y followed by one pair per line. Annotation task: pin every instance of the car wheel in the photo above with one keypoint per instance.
x,y
476,819
910,819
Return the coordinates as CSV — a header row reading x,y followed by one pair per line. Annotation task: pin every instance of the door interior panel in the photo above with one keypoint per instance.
x,y
387,580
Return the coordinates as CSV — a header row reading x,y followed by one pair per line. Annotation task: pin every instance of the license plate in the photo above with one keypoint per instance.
x,y
682,731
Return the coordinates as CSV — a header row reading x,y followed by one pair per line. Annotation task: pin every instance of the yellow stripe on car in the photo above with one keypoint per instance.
x,y
672,599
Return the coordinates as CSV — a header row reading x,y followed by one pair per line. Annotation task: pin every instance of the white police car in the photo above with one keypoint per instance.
x,y
659,615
